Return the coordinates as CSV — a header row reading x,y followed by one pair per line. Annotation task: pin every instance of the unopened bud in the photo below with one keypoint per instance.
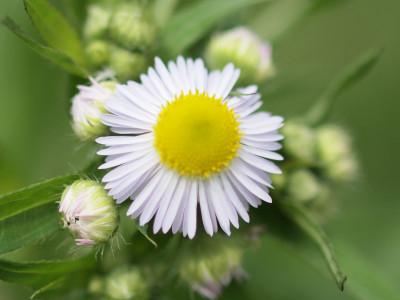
x,y
132,25
208,269
97,21
98,52
302,186
87,108
127,65
336,154
299,141
89,213
127,283
245,50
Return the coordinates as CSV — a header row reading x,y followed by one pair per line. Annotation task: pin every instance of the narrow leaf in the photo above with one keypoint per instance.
x,y
280,17
314,231
33,196
351,75
59,58
63,285
40,273
55,29
143,231
163,10
28,226
189,25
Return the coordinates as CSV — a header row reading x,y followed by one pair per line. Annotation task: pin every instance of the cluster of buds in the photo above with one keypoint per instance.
x,y
317,158
122,283
208,269
118,35
89,213
245,50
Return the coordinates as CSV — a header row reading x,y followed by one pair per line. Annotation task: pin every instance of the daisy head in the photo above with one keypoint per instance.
x,y
181,141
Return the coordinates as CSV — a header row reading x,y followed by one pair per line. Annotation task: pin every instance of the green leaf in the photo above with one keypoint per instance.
x,y
143,231
314,231
279,17
28,226
191,24
41,273
59,58
38,194
351,75
55,29
63,285
163,10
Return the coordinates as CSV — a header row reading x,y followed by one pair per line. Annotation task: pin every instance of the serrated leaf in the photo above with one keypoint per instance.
x,y
38,194
41,273
314,231
189,25
28,226
55,29
143,231
59,58
351,75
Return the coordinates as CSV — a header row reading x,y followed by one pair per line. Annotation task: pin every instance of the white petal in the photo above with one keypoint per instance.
x,y
260,163
146,193
166,77
125,140
178,220
233,197
205,212
174,205
262,153
160,216
250,185
152,206
220,212
124,149
191,210
200,76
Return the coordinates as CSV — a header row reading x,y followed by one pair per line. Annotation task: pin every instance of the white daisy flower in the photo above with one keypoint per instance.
x,y
182,141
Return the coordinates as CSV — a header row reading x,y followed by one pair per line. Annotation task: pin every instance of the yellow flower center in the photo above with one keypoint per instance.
x,y
197,135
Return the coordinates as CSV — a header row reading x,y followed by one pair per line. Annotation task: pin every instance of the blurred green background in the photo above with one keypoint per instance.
x,y
37,143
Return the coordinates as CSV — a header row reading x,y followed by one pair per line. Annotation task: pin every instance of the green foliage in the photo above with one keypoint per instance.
x,y
189,25
351,75
55,29
58,57
29,226
314,231
31,213
47,276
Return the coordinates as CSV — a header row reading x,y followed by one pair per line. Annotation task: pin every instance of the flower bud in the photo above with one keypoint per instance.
x,y
208,269
245,50
336,154
87,108
127,283
89,213
127,65
302,186
299,141
98,52
97,21
132,25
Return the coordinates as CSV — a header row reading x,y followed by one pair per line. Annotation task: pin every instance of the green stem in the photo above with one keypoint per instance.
x,y
315,232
